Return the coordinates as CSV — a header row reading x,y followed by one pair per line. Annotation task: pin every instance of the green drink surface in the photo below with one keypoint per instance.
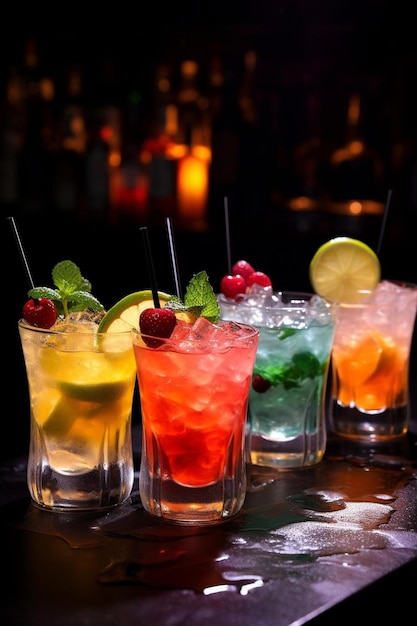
x,y
295,337
295,365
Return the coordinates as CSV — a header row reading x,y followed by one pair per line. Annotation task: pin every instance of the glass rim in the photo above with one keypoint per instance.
x,y
367,293
253,333
51,331
304,298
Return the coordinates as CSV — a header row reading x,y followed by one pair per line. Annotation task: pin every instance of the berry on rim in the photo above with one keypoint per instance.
x,y
40,312
258,278
243,268
156,323
232,286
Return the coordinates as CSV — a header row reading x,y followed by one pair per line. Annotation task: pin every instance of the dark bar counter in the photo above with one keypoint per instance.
x,y
310,546
337,541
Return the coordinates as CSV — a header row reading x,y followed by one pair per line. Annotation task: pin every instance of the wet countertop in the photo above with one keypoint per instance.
x,y
309,546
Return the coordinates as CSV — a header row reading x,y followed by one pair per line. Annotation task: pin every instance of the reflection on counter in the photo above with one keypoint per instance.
x,y
350,503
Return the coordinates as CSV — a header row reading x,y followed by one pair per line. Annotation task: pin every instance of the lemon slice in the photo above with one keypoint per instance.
x,y
343,269
124,315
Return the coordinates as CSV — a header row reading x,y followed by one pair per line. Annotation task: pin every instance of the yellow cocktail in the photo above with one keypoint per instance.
x,y
81,386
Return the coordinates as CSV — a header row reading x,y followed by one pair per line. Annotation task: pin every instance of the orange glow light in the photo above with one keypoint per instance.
x,y
192,186
355,208
115,158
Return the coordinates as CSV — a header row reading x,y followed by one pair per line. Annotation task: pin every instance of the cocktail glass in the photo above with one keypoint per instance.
x,y
194,392
81,388
370,364
287,422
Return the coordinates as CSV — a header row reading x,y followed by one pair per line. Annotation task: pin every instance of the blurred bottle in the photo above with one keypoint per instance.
x,y
106,144
97,171
402,156
225,137
355,168
129,187
69,179
253,181
303,187
157,153
12,129
193,107
193,149
38,139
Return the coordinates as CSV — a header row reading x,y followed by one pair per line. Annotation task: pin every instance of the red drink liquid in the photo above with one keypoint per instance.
x,y
194,395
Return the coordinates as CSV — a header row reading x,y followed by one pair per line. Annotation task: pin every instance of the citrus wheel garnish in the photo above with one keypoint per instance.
x,y
124,315
345,270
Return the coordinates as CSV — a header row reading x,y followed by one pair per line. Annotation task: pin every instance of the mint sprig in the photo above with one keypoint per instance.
x,y
302,365
72,291
199,299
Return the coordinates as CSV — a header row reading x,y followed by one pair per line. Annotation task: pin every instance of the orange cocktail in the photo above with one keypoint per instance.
x,y
370,363
194,391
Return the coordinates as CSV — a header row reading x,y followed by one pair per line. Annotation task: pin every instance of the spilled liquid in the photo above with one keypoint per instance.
x,y
349,503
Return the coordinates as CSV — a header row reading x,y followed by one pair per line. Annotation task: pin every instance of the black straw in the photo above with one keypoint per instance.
x,y
226,221
151,269
384,221
22,252
174,260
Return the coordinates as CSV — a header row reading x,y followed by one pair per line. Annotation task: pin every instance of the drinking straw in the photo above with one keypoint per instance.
x,y
150,265
226,220
22,252
174,260
384,221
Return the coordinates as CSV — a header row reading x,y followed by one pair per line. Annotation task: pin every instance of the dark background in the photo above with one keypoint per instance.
x,y
311,58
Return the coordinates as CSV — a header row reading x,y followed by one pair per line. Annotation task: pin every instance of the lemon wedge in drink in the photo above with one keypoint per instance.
x,y
345,270
124,315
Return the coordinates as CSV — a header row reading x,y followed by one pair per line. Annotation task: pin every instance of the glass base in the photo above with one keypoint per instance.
x,y
302,451
99,489
385,425
205,505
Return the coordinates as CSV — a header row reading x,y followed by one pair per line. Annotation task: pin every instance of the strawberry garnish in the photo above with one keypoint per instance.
x,y
40,312
156,323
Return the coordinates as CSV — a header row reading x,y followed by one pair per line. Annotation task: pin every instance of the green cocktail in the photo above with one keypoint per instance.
x,y
287,396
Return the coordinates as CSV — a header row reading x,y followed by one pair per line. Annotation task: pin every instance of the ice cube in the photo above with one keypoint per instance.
x,y
198,337
387,292
80,329
260,296
85,321
259,290
203,330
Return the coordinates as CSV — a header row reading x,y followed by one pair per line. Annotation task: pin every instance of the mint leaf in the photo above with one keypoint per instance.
x,y
67,277
44,292
80,300
199,299
176,305
200,293
284,333
303,365
73,290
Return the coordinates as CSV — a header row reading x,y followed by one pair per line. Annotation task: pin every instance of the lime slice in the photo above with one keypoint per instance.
x,y
124,315
343,269
99,392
